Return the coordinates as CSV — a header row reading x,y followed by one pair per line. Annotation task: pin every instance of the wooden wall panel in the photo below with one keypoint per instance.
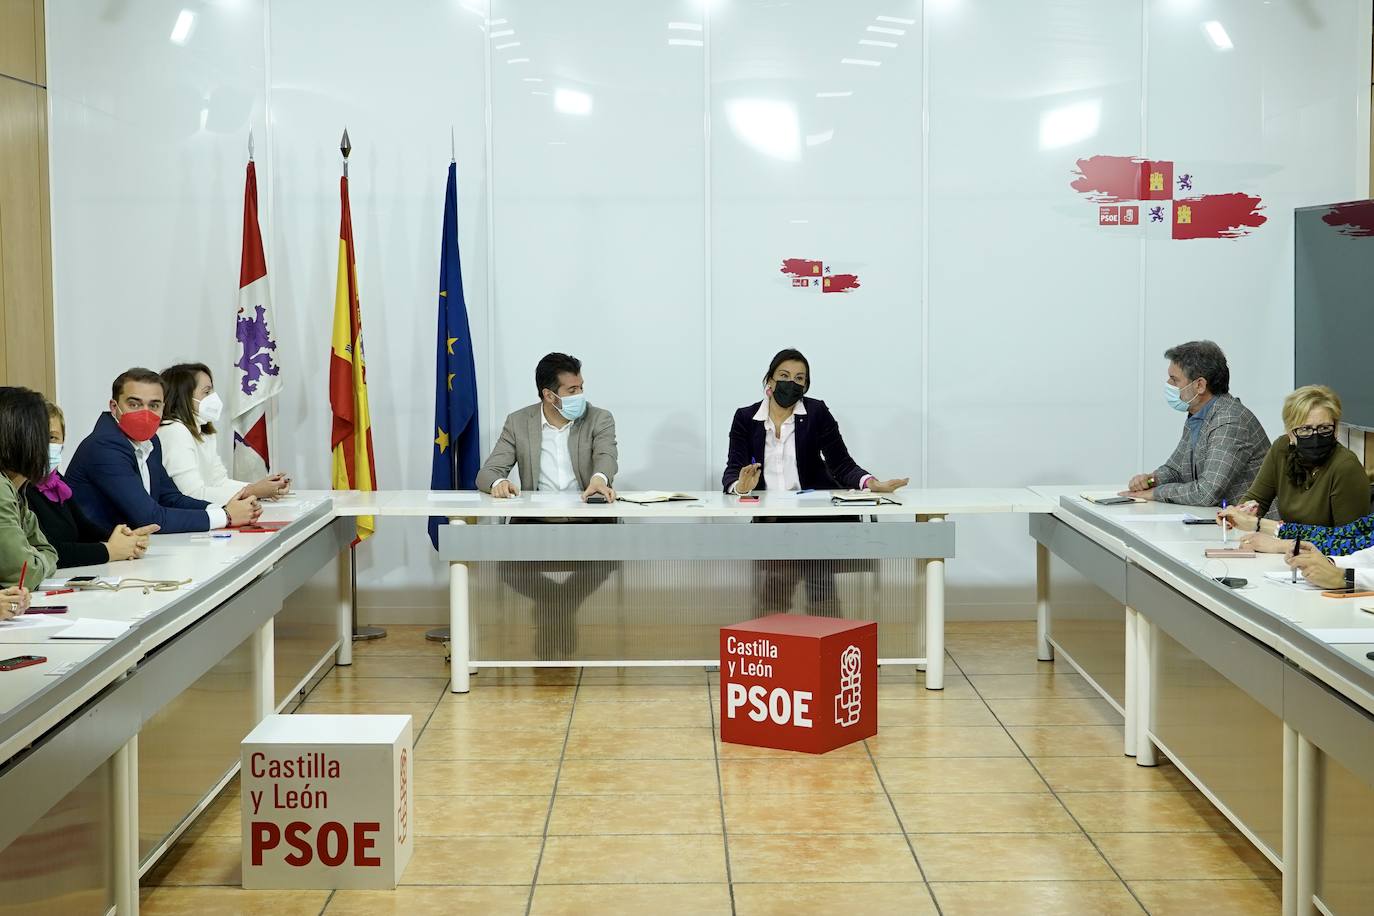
x,y
21,29
26,318
27,343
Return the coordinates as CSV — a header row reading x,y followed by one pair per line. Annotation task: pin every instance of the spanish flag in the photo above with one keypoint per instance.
x,y
351,438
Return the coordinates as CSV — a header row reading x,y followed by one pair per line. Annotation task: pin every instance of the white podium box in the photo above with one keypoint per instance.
x,y
327,802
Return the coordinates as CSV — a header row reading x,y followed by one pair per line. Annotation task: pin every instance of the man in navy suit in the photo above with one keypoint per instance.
x,y
117,476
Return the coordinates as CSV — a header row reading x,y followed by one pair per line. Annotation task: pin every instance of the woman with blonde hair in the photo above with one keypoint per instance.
x,y
1310,477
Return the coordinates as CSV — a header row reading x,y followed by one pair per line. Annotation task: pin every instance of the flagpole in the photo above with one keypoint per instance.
x,y
360,634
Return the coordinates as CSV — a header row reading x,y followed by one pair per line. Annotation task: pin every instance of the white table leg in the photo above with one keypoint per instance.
x,y
1043,650
262,646
345,598
125,792
1306,872
1290,821
458,619
1132,687
935,620
1146,683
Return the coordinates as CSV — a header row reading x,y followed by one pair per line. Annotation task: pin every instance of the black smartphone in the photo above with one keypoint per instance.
x,y
1233,581
1114,501
78,581
21,661
1199,521
596,498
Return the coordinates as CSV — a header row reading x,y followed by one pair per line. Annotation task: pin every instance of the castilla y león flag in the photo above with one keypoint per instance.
x,y
351,437
259,376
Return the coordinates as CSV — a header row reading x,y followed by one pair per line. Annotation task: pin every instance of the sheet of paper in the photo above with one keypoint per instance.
x,y
31,628
1094,497
1175,519
1286,578
1345,635
93,628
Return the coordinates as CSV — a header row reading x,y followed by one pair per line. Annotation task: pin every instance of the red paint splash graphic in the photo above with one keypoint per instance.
x,y
1117,178
1355,218
1217,216
802,267
840,283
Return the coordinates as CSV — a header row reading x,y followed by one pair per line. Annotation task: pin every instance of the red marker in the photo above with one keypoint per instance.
x,y
59,591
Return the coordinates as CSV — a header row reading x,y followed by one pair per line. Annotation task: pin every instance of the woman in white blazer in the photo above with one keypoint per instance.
x,y
187,436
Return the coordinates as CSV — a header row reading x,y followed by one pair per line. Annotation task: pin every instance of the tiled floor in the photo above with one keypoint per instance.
x,y
605,791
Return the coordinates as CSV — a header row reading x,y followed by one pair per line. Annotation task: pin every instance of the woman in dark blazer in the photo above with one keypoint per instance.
x,y
792,442
79,541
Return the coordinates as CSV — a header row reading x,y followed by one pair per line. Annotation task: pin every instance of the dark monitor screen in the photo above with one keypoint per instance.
x,y
1333,303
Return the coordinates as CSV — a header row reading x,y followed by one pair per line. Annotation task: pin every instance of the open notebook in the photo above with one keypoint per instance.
x,y
654,496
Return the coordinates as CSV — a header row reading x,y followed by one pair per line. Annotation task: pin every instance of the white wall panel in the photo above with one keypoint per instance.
x,y
597,142
400,77
813,158
1034,309
149,140
1275,116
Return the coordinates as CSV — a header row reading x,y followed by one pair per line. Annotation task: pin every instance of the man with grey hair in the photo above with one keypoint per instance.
x,y
1222,446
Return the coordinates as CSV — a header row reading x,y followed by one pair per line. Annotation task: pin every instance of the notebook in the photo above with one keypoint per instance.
x,y
654,496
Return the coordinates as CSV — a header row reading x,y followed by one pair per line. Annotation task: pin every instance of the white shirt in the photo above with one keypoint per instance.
x,y
195,466
555,458
143,451
780,449
1362,561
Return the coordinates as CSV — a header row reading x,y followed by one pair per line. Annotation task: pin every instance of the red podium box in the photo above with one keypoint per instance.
x,y
799,683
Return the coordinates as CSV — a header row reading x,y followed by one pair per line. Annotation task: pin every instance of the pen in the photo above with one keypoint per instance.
x,y
1224,526
23,571
1297,545
59,591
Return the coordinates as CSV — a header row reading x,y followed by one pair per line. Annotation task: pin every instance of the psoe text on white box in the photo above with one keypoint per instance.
x,y
327,802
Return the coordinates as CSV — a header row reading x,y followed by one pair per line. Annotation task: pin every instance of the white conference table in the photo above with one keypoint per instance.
x,y
90,707
1246,665
922,507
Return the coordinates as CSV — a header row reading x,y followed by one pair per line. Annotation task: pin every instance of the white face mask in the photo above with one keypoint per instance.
x,y
54,455
209,409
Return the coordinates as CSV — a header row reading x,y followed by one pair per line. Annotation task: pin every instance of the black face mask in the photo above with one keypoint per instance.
x,y
1315,449
787,393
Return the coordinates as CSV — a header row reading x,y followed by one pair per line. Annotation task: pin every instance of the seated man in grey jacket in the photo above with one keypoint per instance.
x,y
1223,444
560,443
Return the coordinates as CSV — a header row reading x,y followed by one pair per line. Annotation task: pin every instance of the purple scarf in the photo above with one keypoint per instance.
x,y
54,488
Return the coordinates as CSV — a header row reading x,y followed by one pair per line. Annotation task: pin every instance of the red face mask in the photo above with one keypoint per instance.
x,y
140,425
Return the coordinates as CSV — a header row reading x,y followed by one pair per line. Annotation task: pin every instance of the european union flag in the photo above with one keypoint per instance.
x,y
457,447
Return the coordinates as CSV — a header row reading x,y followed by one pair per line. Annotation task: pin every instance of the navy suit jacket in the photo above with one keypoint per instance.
x,y
823,462
105,482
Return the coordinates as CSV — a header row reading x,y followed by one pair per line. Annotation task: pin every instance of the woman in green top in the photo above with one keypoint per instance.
x,y
1315,480
23,457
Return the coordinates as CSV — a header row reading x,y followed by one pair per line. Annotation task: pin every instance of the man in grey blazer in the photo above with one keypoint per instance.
x,y
561,443
1223,444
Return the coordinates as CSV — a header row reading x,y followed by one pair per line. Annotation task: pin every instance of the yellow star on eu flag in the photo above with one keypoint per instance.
x,y
442,441
451,342
450,380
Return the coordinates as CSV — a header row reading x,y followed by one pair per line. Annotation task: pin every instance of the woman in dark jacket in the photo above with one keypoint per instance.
x,y
79,541
792,442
